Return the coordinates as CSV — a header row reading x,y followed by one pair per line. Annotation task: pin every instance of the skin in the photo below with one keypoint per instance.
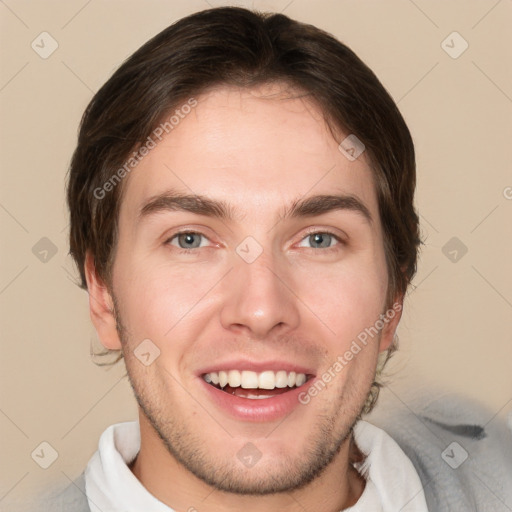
x,y
258,150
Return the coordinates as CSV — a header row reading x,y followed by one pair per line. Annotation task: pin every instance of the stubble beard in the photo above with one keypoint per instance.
x,y
290,473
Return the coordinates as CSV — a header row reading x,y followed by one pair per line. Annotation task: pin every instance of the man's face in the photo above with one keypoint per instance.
x,y
251,291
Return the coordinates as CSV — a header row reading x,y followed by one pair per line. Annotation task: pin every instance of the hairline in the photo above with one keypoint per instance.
x,y
332,125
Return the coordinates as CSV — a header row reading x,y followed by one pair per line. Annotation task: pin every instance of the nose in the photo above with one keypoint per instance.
x,y
259,299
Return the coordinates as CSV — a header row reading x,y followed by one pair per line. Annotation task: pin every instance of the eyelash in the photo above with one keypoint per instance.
x,y
309,233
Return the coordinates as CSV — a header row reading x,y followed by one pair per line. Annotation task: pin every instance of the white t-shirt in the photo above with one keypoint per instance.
x,y
392,482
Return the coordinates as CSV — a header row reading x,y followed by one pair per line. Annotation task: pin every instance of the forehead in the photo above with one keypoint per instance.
x,y
254,148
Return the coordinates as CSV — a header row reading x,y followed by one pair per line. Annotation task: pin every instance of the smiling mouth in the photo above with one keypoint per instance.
x,y
256,386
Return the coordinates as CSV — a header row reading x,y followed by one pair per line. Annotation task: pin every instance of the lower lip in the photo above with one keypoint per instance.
x,y
256,410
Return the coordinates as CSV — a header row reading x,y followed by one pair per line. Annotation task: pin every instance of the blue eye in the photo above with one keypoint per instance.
x,y
187,240
321,240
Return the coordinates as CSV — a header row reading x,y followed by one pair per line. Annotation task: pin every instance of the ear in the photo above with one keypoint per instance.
x,y
101,306
391,318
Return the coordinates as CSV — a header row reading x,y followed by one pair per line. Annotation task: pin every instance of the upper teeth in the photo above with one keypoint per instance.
x,y
252,380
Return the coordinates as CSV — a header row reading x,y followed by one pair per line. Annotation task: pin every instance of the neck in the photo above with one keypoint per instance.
x,y
338,487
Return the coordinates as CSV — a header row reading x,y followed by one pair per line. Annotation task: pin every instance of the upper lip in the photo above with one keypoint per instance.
x,y
256,366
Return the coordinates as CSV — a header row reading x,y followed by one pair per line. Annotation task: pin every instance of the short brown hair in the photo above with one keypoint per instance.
x,y
236,46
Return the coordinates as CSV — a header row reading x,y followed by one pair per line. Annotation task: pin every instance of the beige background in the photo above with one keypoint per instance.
x,y
456,329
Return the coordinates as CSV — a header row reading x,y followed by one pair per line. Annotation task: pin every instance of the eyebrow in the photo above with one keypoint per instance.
x,y
202,205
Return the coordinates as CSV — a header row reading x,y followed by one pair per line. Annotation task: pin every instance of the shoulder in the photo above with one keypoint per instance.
x,y
461,450
70,498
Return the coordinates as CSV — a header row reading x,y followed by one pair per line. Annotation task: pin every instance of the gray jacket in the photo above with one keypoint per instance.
x,y
462,453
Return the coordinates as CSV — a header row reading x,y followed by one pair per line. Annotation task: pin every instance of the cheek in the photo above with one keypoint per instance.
x,y
347,298
166,301
160,299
